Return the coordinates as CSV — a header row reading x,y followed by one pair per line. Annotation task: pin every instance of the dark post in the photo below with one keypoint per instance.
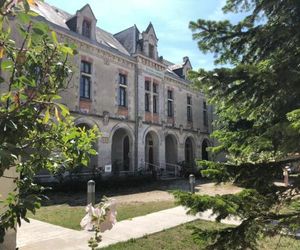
x,y
91,192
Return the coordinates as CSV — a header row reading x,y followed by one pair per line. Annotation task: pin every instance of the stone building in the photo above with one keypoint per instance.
x,y
146,110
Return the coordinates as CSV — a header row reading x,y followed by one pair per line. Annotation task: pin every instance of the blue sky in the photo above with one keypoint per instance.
x,y
170,19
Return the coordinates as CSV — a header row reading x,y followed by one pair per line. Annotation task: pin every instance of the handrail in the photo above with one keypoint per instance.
x,y
177,168
164,166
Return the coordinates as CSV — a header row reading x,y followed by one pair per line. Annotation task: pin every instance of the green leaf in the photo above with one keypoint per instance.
x,y
54,37
46,116
64,109
23,17
66,50
40,28
5,96
7,65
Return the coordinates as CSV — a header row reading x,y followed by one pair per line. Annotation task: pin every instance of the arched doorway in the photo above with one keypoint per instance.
x,y
171,149
121,151
151,150
204,151
189,151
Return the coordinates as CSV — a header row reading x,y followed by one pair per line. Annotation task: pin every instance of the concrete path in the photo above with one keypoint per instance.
x,y
38,235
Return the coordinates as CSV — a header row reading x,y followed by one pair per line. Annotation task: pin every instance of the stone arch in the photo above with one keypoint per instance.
x,y
174,134
189,150
151,142
84,120
171,147
149,129
123,126
122,148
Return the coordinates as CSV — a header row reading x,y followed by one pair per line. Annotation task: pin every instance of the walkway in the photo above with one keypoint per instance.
x,y
40,235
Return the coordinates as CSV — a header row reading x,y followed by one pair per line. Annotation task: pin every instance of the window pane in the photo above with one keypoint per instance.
x,y
86,67
170,108
205,118
154,88
81,87
85,85
147,104
154,104
122,79
147,85
189,113
122,96
170,94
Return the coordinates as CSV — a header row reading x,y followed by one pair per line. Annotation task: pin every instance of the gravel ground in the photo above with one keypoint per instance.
x,y
158,192
158,195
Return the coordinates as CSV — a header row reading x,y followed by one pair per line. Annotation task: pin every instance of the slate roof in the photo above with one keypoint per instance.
x,y
120,43
59,17
129,38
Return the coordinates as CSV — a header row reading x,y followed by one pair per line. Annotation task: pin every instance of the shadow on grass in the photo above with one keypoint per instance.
x,y
75,193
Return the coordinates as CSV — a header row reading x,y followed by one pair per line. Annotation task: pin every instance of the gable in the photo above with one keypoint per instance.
x,y
87,11
150,30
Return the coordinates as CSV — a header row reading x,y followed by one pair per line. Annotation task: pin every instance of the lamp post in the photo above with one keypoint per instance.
x,y
192,181
91,192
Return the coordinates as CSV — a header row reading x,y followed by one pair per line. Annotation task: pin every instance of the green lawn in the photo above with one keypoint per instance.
x,y
70,216
180,238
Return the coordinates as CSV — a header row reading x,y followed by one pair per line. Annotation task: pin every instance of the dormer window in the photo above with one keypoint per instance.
x,y
86,28
151,51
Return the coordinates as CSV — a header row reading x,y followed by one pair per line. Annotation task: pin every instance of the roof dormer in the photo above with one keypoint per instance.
x,y
83,22
186,67
182,69
150,42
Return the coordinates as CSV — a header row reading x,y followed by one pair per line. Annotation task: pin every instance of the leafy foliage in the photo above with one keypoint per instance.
x,y
257,105
36,130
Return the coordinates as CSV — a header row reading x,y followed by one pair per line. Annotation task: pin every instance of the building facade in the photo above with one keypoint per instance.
x,y
146,110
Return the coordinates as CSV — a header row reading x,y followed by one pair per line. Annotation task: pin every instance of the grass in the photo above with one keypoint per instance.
x,y
70,216
180,238
176,238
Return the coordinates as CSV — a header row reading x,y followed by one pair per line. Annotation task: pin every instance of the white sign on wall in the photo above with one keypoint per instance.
x,y
107,169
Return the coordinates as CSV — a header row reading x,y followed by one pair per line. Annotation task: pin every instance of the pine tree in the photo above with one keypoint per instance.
x,y
257,106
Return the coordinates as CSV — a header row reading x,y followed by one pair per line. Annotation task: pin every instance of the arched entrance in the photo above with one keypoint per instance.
x,y
121,151
204,151
171,149
189,151
151,149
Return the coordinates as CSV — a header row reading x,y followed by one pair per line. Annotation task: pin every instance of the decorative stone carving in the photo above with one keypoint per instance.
x,y
181,129
105,118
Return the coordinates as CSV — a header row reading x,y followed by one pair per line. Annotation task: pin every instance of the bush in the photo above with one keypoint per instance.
x,y
190,168
79,184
